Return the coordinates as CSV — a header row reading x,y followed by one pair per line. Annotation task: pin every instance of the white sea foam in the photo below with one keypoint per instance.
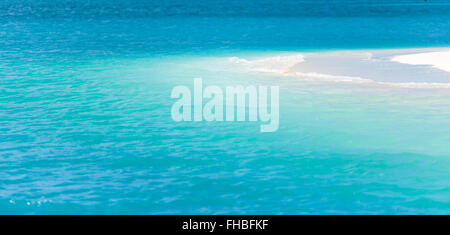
x,y
275,64
423,85
335,78
330,77
439,60
359,80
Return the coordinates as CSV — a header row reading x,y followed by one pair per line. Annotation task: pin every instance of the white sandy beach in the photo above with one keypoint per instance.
x,y
423,67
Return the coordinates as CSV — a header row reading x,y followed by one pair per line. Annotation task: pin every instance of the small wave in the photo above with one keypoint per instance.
x,y
335,78
369,81
331,77
275,64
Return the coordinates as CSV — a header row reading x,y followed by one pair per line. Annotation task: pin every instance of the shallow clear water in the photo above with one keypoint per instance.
x,y
85,122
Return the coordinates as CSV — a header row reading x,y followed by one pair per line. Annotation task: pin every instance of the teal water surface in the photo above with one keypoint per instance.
x,y
85,125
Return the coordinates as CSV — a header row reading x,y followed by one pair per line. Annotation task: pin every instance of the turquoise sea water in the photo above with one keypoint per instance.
x,y
85,123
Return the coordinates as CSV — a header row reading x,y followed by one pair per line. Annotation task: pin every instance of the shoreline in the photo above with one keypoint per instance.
x,y
415,67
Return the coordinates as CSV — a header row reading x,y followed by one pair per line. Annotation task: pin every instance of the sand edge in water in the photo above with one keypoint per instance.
x,y
419,67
